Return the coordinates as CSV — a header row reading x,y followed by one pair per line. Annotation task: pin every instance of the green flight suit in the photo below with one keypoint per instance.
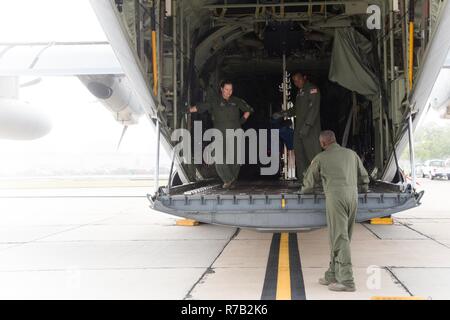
x,y
307,126
341,171
226,115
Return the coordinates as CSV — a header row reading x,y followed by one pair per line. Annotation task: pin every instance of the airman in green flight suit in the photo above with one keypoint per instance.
x,y
307,122
225,111
341,172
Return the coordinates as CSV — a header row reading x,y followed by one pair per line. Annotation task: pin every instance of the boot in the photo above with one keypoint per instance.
x,y
325,282
341,287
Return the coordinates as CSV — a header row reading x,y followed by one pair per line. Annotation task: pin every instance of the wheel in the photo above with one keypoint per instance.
x,y
432,177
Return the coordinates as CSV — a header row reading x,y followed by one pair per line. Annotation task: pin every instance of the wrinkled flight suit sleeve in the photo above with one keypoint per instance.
x,y
244,107
204,106
313,111
363,176
312,177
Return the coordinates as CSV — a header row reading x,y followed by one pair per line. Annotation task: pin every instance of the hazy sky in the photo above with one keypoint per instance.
x,y
81,124
48,20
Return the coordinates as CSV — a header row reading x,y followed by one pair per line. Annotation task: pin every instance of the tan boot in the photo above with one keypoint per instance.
x,y
325,282
340,287
227,185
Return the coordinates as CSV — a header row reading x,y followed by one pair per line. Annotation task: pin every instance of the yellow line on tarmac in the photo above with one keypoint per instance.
x,y
284,274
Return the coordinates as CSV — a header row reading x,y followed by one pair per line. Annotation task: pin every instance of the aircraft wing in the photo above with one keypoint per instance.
x,y
58,59
115,32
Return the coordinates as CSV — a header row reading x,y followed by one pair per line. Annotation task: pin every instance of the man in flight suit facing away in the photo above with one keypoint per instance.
x,y
225,112
307,122
341,171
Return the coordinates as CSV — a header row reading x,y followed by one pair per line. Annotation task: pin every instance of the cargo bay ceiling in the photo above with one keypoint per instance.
x,y
233,32
237,37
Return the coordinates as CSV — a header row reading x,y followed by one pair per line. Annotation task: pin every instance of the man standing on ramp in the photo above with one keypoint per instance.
x,y
307,122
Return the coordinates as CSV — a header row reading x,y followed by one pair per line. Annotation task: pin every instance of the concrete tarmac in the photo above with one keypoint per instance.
x,y
104,242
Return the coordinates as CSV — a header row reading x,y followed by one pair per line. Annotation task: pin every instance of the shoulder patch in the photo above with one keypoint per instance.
x,y
313,91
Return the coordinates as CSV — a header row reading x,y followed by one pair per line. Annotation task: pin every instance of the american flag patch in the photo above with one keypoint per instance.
x,y
313,91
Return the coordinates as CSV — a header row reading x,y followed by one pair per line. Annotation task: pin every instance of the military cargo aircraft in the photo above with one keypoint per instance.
x,y
380,66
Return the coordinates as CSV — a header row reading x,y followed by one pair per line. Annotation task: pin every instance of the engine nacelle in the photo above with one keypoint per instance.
x,y
116,94
20,121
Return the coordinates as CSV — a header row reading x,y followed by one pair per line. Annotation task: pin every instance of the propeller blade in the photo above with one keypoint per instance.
x,y
31,83
121,137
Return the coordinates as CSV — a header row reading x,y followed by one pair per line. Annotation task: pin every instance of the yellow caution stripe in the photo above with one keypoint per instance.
x,y
387,220
187,222
397,298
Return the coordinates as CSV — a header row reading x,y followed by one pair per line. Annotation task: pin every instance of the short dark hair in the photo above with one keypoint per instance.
x,y
299,73
224,82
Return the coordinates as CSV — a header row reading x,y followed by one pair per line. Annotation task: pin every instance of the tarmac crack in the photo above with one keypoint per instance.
x,y
371,231
423,234
396,279
38,239
209,269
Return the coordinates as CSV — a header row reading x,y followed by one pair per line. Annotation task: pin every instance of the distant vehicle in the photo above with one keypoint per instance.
x,y
436,168
447,165
419,170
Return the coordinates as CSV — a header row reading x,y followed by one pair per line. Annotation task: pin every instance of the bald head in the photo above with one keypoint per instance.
x,y
299,79
326,138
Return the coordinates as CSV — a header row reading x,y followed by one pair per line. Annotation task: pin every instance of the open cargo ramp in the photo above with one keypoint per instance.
x,y
272,206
